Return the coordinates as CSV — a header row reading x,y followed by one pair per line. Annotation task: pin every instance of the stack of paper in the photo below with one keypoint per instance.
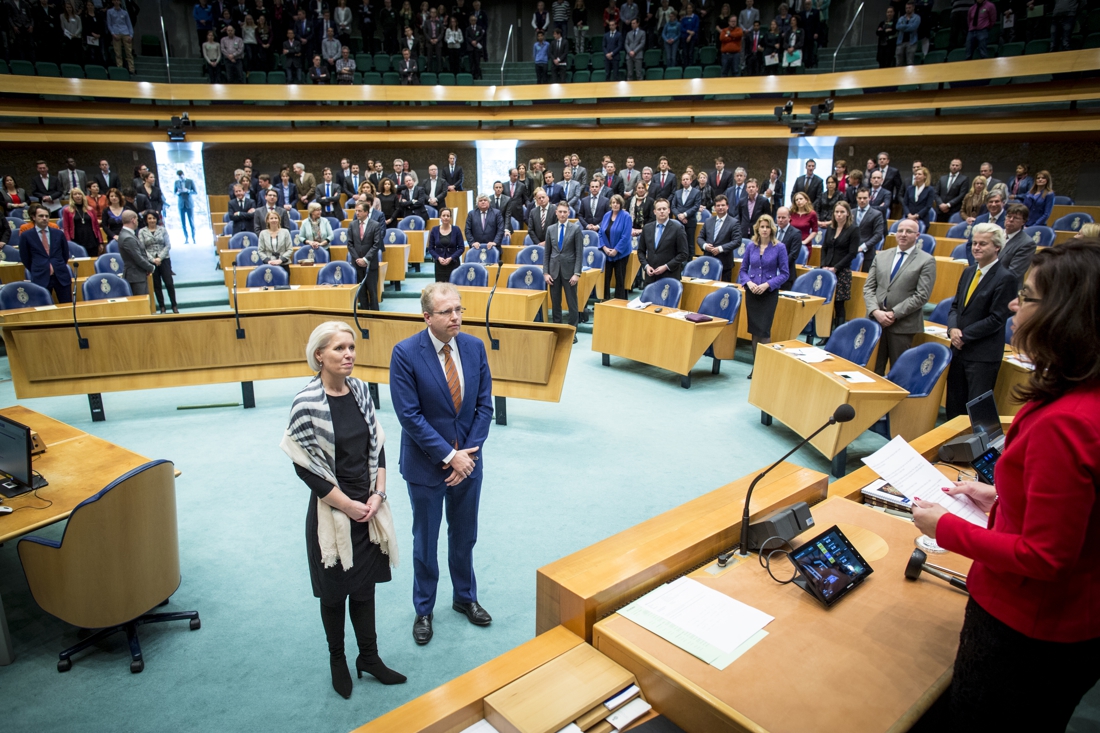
x,y
855,377
935,331
909,472
1021,362
481,726
810,354
700,620
793,294
637,304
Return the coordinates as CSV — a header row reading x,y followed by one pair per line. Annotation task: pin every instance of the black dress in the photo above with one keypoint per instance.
x,y
838,253
86,231
388,203
333,585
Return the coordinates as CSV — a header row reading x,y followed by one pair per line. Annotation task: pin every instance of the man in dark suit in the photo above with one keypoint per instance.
x,y
736,190
45,253
517,191
554,192
881,198
562,270
663,246
441,390
591,208
950,190
995,213
612,49
366,245
136,263
259,216
452,173
752,207
720,178
435,188
872,227
664,181
45,188
559,58
340,175
792,239
327,194
1019,248
898,285
241,211
485,227
539,218
411,200
976,323
721,235
809,183
352,180
686,203
891,178
106,178
499,200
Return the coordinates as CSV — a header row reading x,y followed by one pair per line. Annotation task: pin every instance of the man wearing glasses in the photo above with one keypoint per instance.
x,y
440,386
976,324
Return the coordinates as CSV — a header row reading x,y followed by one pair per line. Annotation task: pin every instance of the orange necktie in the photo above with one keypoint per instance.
x,y
452,377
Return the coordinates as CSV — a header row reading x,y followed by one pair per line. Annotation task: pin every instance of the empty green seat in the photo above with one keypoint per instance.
x,y
357,77
959,54
1092,41
599,75
381,62
582,61
652,58
118,73
363,62
47,68
654,74
942,39
91,71
391,78
372,77
4,67
257,77
708,55
693,72
935,57
1037,46
22,68
596,44
582,77
1011,49
713,71
429,78
276,77
447,79
395,61
674,72
465,80
72,71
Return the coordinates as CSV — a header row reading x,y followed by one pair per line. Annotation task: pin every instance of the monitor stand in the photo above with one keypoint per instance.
x,y
11,488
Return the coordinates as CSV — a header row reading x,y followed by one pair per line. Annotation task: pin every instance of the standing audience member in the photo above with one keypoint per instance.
x,y
365,246
154,240
46,188
670,39
804,218
950,190
212,55
907,27
979,19
872,227
564,258
615,235
663,247
1040,200
634,47
136,263
898,285
838,248
541,52
729,43
559,56
111,219
612,48
408,69
764,271
292,57
454,40
887,41
920,198
445,245
121,29
80,223
44,251
475,46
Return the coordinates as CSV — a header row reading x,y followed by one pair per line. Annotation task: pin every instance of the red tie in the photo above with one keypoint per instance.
x,y
362,229
46,246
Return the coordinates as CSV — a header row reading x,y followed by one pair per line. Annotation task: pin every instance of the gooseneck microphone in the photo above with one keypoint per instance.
x,y
494,344
364,332
80,340
843,413
236,312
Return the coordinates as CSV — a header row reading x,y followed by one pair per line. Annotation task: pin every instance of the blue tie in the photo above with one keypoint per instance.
x,y
660,233
897,266
561,236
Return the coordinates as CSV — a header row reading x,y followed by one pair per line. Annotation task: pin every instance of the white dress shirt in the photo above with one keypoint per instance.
x,y
457,359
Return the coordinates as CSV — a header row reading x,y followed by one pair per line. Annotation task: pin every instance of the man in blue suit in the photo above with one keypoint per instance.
x,y
45,253
485,226
441,390
612,47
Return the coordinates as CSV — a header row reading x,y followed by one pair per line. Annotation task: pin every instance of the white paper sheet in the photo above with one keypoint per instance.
x,y
855,377
909,472
700,620
484,726
1021,363
613,702
628,713
637,304
935,331
571,728
793,294
810,354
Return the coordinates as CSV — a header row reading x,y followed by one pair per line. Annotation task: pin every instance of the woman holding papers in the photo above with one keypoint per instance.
x,y
1030,643
763,272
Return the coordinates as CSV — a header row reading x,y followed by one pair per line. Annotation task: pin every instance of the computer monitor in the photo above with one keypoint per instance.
x,y
984,418
15,457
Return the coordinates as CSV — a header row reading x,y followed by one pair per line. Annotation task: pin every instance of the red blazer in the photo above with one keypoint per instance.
x,y
1037,567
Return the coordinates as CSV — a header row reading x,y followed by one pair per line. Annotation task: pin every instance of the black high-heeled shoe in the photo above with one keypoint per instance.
x,y
378,670
341,677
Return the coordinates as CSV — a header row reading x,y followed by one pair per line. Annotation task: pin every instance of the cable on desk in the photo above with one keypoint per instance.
x,y
962,473
49,503
766,560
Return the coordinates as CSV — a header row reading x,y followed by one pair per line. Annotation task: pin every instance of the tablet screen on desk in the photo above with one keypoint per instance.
x,y
829,566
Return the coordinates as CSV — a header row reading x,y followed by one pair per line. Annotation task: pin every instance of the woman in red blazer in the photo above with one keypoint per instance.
x,y
1030,643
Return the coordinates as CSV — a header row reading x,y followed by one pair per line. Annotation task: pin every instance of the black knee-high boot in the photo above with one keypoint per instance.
x,y
362,619
333,619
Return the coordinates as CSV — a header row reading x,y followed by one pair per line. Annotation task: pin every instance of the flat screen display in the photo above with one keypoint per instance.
x,y
829,566
15,450
984,419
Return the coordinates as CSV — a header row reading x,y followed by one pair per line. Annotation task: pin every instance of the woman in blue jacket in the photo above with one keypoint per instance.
x,y
1040,200
689,34
616,246
670,41
445,245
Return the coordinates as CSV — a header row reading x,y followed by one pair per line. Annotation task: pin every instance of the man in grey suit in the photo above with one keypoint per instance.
x,y
872,227
580,173
136,264
630,176
686,203
366,245
259,217
72,177
1019,248
563,260
950,190
570,189
635,52
898,285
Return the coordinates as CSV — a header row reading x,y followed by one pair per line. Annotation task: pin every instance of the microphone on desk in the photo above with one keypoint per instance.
x,y
236,311
843,413
80,340
364,332
494,344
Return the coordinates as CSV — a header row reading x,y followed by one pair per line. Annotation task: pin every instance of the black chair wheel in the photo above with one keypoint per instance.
x,y
136,666
196,624
64,665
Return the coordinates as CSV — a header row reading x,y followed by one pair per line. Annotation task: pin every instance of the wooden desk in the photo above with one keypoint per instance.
x,y
899,668
944,245
1060,210
791,315
509,304
1009,376
658,339
77,466
802,396
457,203
337,298
146,352
948,274
11,272
579,589
586,286
134,305
632,267
301,275
418,246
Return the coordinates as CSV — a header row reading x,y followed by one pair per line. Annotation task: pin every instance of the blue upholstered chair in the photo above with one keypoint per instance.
x,y
333,222
705,267
267,276
248,257
918,371
1042,236
941,311
432,212
294,214
960,231
959,253
1072,222
722,304
24,294
855,340
77,250
955,218
111,263
594,259
112,246
340,236
928,243
817,282
1063,201
395,236
411,223
532,254
921,226
104,285
302,254
803,255
857,262
472,274
125,538
1008,330
336,273
482,255
240,240
665,292
9,254
526,277
590,238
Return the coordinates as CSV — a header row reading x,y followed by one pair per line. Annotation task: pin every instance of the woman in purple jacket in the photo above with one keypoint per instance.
x,y
445,245
616,245
763,272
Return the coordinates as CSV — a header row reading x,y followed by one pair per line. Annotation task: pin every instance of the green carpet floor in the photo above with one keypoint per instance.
x,y
624,444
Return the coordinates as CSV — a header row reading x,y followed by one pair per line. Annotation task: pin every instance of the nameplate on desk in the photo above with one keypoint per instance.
x,y
46,308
